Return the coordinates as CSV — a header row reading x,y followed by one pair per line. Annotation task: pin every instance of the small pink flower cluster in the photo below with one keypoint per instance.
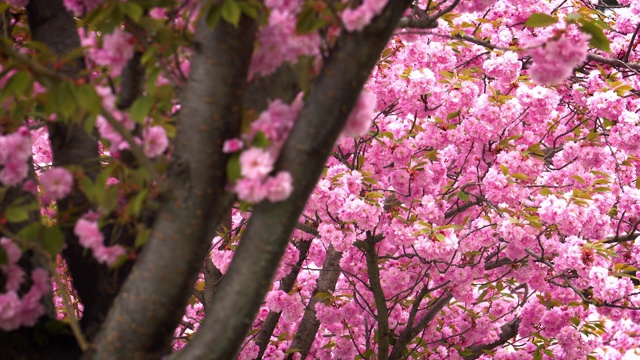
x,y
117,49
16,311
474,5
18,3
90,237
105,129
154,138
363,113
279,42
154,141
57,183
256,184
79,7
256,163
554,61
15,151
356,19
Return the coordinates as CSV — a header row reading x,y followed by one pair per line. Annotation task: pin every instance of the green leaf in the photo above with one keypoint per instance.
x,y
137,202
598,39
578,178
142,237
32,231
133,10
213,16
18,84
537,20
463,196
520,176
231,12
140,109
249,9
109,199
17,214
260,140
233,168
89,99
440,237
52,239
308,20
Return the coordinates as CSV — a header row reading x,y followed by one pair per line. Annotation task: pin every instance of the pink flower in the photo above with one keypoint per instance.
x,y
15,276
232,145
117,49
18,3
554,61
79,7
19,144
279,187
13,251
255,163
155,141
108,254
57,182
41,280
14,172
88,233
359,120
356,19
250,190
31,307
9,311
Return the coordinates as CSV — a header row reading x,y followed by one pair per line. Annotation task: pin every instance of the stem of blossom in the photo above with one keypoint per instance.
x,y
135,149
73,320
37,248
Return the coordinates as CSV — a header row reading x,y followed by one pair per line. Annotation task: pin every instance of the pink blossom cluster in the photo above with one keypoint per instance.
x,y
16,310
505,68
279,43
277,121
117,48
90,237
105,129
474,5
257,163
256,184
554,61
154,141
359,121
15,152
80,7
18,3
356,19
57,183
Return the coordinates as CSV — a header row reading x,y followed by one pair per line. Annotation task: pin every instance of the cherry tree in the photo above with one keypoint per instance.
x,y
321,179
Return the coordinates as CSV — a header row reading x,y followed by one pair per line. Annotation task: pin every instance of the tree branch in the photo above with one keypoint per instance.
x,y
382,315
326,283
507,332
322,118
399,347
147,310
286,285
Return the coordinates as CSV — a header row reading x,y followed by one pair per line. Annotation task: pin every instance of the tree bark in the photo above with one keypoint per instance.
x,y
309,324
141,322
322,118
